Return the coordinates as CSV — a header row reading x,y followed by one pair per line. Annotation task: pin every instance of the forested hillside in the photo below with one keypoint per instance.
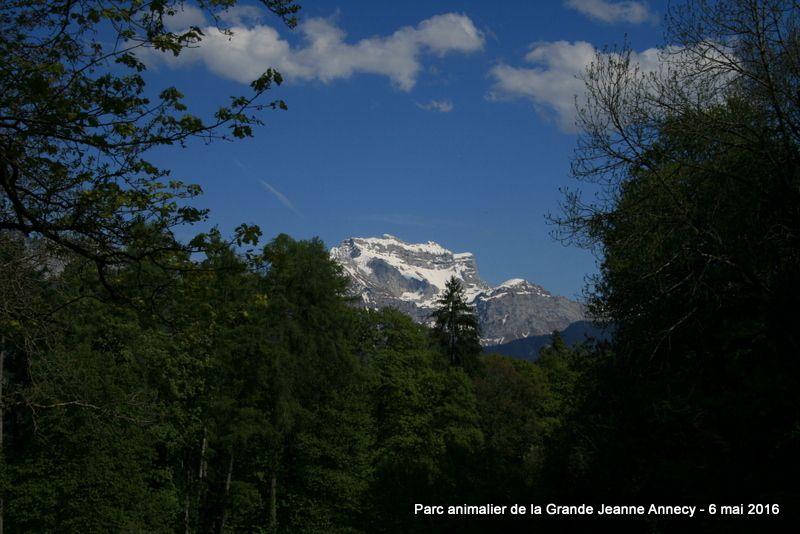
x,y
250,396
220,384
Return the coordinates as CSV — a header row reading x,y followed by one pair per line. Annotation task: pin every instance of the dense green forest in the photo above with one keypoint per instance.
x,y
222,385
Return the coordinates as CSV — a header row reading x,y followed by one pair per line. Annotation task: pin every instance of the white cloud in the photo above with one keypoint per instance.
x,y
184,17
242,15
554,82
440,106
605,11
326,55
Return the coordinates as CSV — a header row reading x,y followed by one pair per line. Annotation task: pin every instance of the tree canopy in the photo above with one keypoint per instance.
x,y
77,121
696,224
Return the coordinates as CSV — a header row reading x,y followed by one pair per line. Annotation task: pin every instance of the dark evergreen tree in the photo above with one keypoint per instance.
x,y
455,328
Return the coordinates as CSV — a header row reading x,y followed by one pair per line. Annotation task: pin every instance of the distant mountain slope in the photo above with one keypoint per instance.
x,y
528,348
409,276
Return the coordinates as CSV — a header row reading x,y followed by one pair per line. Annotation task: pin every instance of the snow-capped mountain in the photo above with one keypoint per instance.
x,y
410,276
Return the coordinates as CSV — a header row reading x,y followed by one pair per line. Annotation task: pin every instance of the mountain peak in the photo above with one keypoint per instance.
x,y
387,271
387,267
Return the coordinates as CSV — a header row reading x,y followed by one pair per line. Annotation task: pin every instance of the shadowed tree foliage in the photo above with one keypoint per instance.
x,y
511,394
696,223
324,463
426,423
88,424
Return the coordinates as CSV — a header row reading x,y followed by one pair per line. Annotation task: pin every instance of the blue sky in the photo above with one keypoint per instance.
x,y
449,121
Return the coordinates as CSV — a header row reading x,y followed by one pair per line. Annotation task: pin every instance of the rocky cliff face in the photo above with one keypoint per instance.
x,y
409,277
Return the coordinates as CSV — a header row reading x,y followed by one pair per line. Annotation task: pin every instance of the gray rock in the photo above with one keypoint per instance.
x,y
387,272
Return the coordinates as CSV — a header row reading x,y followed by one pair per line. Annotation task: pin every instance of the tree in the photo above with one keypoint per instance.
x,y
426,424
23,271
455,328
77,122
511,395
237,400
321,462
721,108
696,223
86,424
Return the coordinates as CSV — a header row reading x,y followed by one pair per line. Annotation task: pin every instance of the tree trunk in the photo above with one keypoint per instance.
x,y
202,470
221,528
203,463
187,506
273,501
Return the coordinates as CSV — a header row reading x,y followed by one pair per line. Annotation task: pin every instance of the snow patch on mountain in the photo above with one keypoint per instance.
x,y
386,271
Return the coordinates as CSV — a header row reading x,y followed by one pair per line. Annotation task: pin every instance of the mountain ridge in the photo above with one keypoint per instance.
x,y
386,271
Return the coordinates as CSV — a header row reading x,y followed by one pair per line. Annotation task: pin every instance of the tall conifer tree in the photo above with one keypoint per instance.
x,y
456,327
